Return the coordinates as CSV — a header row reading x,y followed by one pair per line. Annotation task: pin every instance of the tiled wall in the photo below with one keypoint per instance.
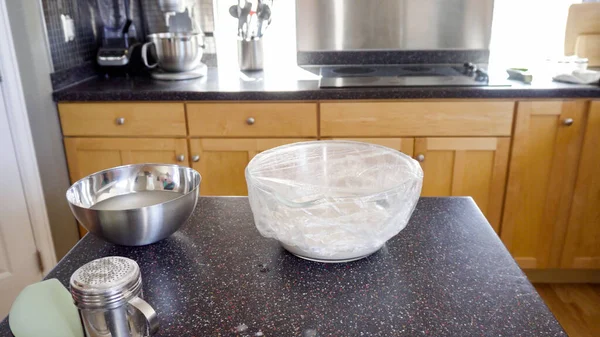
x,y
76,60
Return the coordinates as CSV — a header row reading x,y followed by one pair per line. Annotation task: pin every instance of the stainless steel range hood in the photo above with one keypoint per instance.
x,y
337,25
410,31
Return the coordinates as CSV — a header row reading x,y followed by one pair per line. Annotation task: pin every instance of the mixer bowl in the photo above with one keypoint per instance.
x,y
135,205
177,52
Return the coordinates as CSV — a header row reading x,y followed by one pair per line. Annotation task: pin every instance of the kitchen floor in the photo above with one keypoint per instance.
x,y
576,306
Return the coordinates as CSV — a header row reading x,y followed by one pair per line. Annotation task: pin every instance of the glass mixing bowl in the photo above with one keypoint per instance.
x,y
332,201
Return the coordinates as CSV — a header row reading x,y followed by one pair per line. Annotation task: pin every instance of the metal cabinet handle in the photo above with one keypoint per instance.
x,y
250,121
180,158
120,121
568,121
196,158
420,158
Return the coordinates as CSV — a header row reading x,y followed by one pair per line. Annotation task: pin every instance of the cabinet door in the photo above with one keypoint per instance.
x,y
222,162
582,244
88,155
473,167
541,178
404,145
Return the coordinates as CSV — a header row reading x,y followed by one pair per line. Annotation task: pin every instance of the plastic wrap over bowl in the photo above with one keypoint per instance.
x,y
332,201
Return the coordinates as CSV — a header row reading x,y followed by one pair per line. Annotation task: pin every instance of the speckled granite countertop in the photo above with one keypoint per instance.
x,y
295,83
446,274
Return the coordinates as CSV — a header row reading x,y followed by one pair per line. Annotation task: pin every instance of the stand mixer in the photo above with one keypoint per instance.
x,y
179,47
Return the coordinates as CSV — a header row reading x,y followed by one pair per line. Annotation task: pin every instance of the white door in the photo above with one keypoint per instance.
x,y
19,264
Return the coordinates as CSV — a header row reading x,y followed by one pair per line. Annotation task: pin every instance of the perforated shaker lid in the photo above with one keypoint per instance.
x,y
106,281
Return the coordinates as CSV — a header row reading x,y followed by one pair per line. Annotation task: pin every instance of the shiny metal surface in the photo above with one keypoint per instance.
x,y
135,205
148,313
120,121
250,54
172,5
335,25
391,81
108,294
175,52
420,158
568,121
197,72
196,158
399,75
250,121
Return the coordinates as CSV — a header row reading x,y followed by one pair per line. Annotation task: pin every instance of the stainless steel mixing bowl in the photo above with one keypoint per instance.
x,y
175,52
135,205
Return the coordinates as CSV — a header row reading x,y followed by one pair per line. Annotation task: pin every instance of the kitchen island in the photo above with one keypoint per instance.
x,y
446,274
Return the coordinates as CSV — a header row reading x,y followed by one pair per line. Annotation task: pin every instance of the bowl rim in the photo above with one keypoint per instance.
x,y
321,199
196,186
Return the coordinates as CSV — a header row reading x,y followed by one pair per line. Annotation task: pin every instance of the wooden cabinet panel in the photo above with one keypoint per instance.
x,y
582,243
404,145
88,155
397,119
473,167
222,162
545,154
252,119
122,119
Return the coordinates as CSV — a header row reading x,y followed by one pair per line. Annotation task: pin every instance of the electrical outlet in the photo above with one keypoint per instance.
x,y
68,26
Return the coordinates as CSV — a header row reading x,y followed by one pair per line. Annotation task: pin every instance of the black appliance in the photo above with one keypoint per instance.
x,y
407,75
120,52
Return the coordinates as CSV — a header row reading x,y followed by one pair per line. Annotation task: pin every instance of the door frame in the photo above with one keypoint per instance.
x,y
16,111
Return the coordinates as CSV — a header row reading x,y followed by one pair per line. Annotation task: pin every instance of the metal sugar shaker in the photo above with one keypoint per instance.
x,y
108,294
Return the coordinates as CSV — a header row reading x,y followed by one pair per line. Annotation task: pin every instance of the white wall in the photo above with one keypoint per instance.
x,y
523,32
526,32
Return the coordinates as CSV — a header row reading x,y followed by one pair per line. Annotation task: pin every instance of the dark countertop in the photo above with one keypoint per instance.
x,y
446,274
297,84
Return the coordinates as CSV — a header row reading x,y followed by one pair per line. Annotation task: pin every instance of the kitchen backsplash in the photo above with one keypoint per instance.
x,y
75,60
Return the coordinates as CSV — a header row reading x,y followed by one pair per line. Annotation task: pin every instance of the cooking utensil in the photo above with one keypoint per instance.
x,y
108,294
135,205
234,11
263,14
332,201
176,52
250,54
243,20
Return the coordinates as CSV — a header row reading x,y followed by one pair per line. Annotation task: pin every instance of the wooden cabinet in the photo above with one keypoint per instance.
x,y
473,167
404,145
222,162
252,119
582,243
542,173
88,155
123,119
540,189
406,119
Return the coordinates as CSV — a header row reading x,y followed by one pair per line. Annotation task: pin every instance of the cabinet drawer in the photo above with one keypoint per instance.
x,y
416,119
122,119
252,119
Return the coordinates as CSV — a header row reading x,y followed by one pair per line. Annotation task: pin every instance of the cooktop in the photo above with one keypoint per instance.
x,y
413,75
